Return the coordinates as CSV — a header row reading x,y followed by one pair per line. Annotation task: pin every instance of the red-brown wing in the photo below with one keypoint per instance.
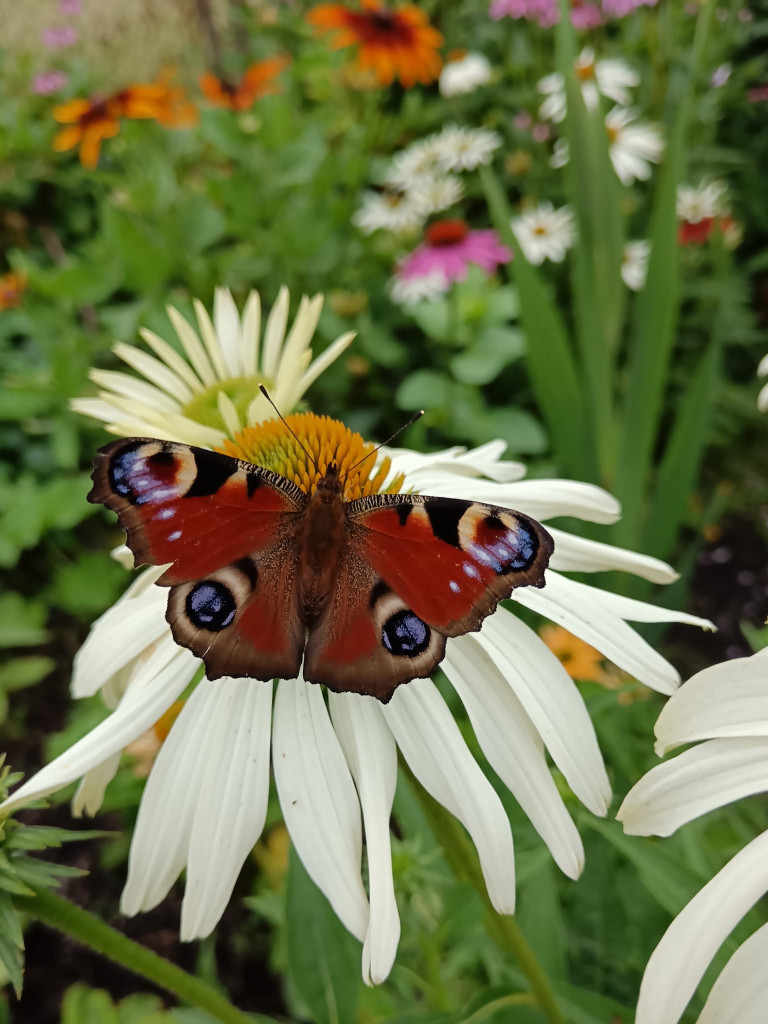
x,y
227,527
417,570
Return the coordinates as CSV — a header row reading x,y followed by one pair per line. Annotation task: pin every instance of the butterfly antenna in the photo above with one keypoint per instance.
x,y
264,392
416,416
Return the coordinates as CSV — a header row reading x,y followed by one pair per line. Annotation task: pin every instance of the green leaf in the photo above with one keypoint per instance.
x,y
21,672
483,361
12,959
21,622
83,1005
437,319
424,389
323,958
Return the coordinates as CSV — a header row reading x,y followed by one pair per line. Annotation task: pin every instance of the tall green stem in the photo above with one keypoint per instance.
x,y
503,928
67,917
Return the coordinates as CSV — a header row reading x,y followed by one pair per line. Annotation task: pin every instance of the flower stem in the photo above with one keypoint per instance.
x,y
83,926
503,928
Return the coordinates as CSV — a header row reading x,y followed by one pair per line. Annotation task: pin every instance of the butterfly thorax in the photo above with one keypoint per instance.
x,y
320,540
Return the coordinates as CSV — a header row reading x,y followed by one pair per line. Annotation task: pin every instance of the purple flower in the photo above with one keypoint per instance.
x,y
69,7
447,251
58,38
49,82
720,76
585,14
621,8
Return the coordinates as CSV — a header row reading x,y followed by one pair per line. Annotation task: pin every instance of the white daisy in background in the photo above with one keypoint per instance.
x,y
465,149
612,78
762,398
399,212
545,233
408,291
634,264
437,193
696,203
214,392
416,161
633,146
464,73
205,801
726,706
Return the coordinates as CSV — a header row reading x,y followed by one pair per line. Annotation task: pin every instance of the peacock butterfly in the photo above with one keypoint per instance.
x,y
263,576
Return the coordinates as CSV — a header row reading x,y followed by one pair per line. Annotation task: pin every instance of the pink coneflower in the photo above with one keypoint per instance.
x,y
621,8
58,38
758,95
444,256
49,82
585,14
70,7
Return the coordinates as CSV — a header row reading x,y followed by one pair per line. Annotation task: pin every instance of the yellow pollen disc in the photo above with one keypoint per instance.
x,y
612,133
585,72
271,445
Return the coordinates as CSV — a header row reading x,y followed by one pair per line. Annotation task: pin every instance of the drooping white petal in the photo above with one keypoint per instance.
x,y
433,746
192,346
89,795
369,748
140,708
227,322
740,994
274,332
711,775
250,335
577,554
211,342
728,699
233,796
134,388
551,701
689,944
156,371
170,356
762,399
597,625
318,799
485,460
509,740
624,607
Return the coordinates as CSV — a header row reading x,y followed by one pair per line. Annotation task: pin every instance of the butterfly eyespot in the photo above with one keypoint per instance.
x,y
405,634
503,548
210,605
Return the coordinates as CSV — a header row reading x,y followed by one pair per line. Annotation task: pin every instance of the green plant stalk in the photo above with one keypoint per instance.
x,y
503,928
67,917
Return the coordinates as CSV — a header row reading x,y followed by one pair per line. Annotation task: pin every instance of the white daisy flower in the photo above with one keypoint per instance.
x,y
335,766
408,291
612,78
418,160
465,74
465,149
762,398
545,233
399,212
634,146
634,264
436,193
211,391
696,203
726,707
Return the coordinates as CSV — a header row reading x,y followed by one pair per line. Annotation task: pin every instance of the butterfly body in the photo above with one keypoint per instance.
x,y
266,580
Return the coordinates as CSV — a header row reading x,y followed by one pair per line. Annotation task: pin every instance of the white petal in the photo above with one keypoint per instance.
x,y
440,759
250,330
97,408
762,368
513,748
211,342
89,795
698,780
729,699
300,334
552,702
156,371
371,754
160,844
762,399
689,944
324,360
227,322
232,801
140,708
274,332
318,798
597,625
170,356
228,413
577,554
192,346
132,387
740,994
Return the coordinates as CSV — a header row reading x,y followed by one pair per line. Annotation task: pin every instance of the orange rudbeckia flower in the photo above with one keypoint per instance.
x,y
255,83
12,285
393,44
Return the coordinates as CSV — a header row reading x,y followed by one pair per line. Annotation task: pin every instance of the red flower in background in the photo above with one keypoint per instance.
x,y
698,233
12,286
393,44
255,83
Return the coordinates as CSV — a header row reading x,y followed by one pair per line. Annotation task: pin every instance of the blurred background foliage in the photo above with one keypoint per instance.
x,y
264,197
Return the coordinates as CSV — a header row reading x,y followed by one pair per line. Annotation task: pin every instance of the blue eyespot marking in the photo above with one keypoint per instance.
x,y
210,605
454,586
405,634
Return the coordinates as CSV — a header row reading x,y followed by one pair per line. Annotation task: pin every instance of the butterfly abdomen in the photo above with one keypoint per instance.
x,y
321,539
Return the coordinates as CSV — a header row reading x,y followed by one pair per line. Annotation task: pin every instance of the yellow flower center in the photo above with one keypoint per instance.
x,y
585,71
271,444
204,408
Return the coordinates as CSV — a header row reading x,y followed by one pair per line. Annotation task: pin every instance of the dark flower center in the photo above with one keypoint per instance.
x,y
446,232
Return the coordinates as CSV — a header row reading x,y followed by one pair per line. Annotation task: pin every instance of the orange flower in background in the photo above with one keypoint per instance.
x,y
579,660
12,286
394,44
255,83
